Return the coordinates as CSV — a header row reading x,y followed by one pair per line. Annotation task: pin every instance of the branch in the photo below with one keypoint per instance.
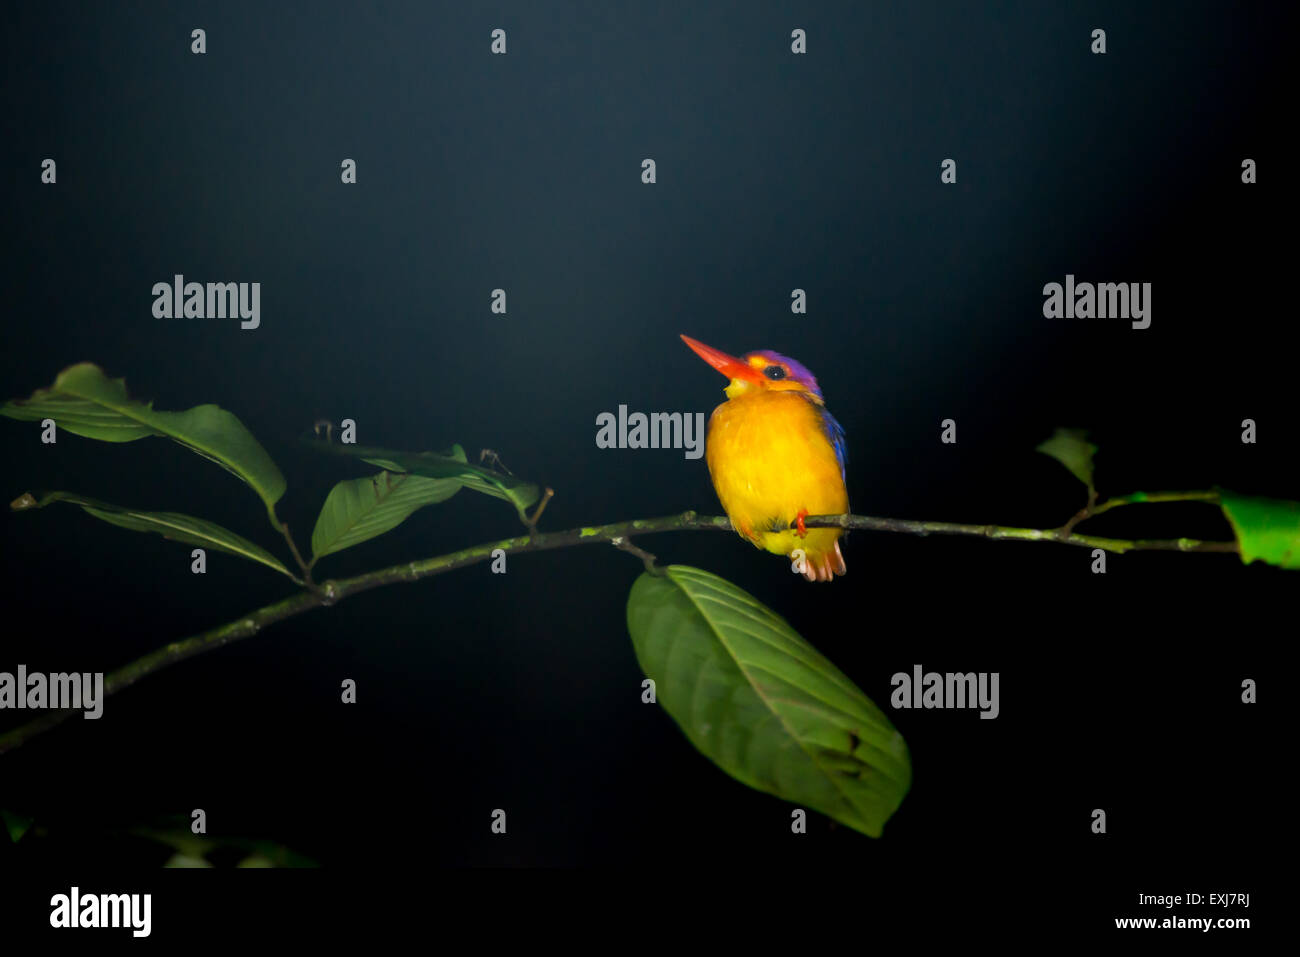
x,y
618,535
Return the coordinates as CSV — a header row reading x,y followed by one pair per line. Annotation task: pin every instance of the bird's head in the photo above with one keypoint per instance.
x,y
763,369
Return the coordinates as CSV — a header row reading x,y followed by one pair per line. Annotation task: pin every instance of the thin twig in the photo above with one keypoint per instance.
x,y
1092,509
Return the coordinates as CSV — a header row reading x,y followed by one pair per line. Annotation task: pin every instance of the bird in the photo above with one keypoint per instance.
x,y
776,455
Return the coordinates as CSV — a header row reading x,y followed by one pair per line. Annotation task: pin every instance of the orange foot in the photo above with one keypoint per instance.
x,y
798,523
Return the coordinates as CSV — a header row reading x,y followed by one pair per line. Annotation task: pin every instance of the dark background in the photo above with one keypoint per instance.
x,y
775,171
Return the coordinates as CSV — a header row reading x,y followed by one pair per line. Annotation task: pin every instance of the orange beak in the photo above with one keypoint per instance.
x,y
729,366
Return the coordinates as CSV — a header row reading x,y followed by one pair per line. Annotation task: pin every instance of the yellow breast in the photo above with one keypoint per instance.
x,y
770,458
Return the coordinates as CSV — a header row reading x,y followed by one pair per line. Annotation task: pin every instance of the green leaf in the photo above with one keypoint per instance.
x,y
15,824
451,465
195,851
762,703
172,525
360,509
1072,449
190,850
84,401
1267,529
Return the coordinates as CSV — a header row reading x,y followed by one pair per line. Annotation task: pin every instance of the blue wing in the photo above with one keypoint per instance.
x,y
839,441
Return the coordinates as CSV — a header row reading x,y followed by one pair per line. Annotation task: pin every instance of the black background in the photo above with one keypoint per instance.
x,y
775,171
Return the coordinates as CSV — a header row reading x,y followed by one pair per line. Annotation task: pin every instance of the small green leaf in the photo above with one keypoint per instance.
x,y
762,703
361,509
1267,529
86,402
451,465
16,825
1072,449
172,525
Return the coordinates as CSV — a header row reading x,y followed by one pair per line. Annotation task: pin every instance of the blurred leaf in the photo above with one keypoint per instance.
x,y
1267,529
197,850
762,703
270,854
171,525
1072,449
184,842
451,465
16,824
86,402
361,509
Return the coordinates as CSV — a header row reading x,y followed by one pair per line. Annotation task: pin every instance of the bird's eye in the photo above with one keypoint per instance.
x,y
774,372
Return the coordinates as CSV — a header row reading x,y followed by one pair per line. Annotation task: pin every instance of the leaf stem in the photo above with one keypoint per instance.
x,y
531,521
625,544
297,557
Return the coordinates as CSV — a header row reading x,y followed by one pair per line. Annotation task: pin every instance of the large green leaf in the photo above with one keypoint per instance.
x,y
1267,529
762,703
86,402
360,509
1072,449
172,525
451,465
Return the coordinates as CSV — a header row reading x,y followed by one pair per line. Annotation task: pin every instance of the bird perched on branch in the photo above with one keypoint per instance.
x,y
776,456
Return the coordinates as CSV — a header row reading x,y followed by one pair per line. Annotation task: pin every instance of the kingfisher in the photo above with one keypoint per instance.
x,y
776,455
